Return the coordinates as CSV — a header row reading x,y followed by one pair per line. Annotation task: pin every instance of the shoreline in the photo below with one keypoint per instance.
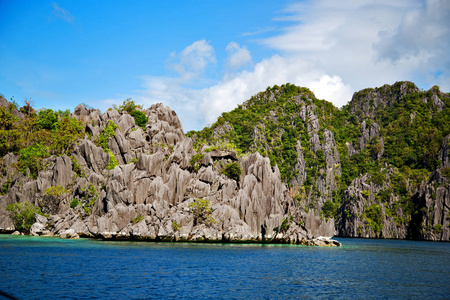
x,y
318,242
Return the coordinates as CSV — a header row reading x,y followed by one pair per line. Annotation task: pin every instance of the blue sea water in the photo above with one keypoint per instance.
x,y
51,268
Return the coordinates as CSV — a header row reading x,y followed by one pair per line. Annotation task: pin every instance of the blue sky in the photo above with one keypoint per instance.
x,y
204,57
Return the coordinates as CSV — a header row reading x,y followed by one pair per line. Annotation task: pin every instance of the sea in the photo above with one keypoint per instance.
x,y
53,268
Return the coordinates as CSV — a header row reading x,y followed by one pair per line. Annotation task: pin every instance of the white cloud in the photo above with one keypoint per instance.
x,y
423,36
193,60
230,92
199,107
372,42
420,30
62,13
237,56
333,47
331,88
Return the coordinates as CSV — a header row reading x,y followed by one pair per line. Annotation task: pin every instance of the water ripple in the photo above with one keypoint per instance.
x,y
43,268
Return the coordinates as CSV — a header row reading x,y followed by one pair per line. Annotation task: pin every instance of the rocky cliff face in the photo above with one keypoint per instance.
x,y
378,166
282,167
380,211
406,194
286,124
161,189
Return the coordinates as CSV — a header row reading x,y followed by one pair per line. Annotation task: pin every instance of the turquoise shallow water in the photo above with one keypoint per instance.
x,y
51,268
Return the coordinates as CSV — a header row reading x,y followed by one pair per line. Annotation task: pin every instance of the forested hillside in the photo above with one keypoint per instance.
x,y
379,165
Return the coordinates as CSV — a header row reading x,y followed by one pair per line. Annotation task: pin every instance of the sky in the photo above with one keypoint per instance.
x,y
203,58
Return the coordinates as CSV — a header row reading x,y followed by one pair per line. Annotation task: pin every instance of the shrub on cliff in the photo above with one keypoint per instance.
x,y
67,131
88,195
22,214
329,209
195,161
202,212
106,134
103,140
31,159
47,119
135,110
138,219
374,216
232,170
6,119
140,118
129,106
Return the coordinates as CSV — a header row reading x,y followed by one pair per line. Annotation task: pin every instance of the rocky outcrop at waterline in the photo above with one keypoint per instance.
x,y
148,183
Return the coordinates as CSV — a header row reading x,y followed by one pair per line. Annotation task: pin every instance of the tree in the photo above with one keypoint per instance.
x,y
47,119
136,111
129,106
31,158
6,119
140,118
27,109
202,212
68,130
22,214
329,209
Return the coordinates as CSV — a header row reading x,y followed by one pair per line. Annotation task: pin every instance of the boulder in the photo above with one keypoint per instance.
x,y
324,242
37,229
69,234
40,219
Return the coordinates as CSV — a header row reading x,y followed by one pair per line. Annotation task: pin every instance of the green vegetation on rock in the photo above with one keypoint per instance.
x,y
374,217
74,203
31,159
393,134
88,195
106,134
47,119
329,209
103,141
129,106
138,219
35,136
140,118
195,161
232,170
175,226
202,211
22,214
136,111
